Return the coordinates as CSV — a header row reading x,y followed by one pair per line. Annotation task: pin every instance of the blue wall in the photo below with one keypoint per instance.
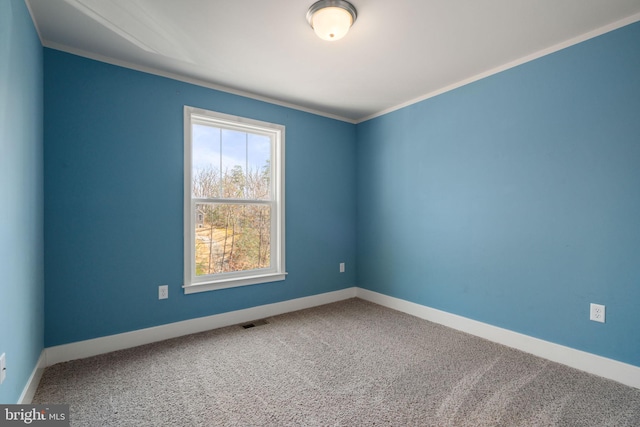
x,y
21,199
515,200
113,200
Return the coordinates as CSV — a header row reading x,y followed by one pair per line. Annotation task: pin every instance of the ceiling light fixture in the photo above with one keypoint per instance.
x,y
331,19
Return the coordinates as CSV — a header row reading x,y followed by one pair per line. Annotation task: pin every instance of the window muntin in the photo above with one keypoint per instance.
x,y
234,201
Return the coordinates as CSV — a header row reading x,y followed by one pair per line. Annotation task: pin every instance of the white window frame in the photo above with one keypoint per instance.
x,y
277,271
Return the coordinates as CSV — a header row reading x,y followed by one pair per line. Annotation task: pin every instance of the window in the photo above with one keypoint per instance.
x,y
234,201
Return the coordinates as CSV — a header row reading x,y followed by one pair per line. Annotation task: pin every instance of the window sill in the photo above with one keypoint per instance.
x,y
233,283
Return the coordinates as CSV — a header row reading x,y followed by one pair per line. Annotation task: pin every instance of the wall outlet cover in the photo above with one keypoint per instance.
x,y
3,368
597,313
163,291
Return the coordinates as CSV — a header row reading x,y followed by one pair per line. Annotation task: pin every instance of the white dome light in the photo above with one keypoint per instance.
x,y
331,19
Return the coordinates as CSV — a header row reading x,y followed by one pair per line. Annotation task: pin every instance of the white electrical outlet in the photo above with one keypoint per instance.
x,y
3,368
597,313
163,291
342,267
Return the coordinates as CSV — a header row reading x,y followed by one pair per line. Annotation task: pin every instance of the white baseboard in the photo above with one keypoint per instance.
x,y
93,347
588,362
32,384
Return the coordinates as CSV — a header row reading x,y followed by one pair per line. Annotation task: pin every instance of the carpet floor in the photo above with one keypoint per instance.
x,y
350,363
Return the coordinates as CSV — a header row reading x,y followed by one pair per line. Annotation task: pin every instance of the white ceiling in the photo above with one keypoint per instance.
x,y
398,51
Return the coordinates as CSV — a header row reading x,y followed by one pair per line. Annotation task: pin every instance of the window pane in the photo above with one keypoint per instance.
x,y
230,164
232,237
259,170
234,159
205,161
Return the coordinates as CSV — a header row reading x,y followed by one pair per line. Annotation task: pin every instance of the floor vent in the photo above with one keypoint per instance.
x,y
254,324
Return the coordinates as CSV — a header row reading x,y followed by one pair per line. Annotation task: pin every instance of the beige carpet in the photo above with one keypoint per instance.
x,y
351,363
